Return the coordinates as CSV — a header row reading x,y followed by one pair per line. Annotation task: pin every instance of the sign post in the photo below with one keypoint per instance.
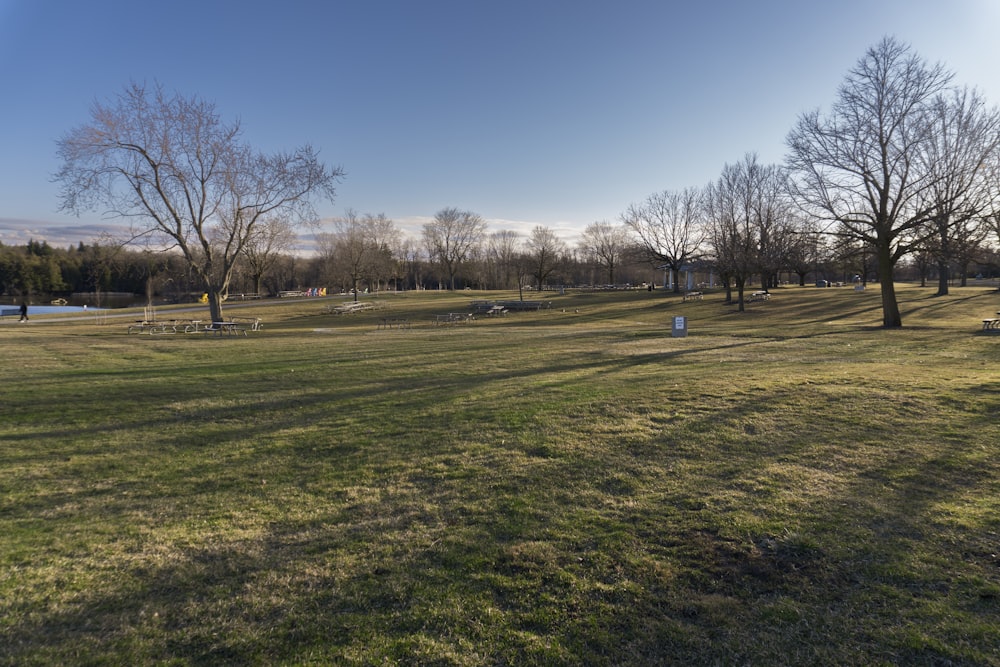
x,y
680,328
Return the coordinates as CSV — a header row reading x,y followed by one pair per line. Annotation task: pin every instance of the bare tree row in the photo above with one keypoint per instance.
x,y
904,164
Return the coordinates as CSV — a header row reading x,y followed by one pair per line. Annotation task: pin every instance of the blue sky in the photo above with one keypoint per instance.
x,y
558,113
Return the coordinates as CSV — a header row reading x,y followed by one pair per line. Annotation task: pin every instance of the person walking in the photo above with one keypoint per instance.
x,y
24,312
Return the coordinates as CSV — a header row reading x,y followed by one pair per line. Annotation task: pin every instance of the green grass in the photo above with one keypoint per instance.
x,y
789,485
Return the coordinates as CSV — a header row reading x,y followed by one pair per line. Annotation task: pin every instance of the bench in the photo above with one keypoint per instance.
x,y
691,296
992,325
758,296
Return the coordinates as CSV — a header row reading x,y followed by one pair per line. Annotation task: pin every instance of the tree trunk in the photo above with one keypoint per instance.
x,y
215,304
944,278
891,319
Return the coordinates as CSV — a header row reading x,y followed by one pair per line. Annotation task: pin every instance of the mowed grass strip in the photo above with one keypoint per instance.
x,y
790,485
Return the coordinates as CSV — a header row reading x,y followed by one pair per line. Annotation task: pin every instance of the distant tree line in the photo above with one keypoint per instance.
x,y
369,253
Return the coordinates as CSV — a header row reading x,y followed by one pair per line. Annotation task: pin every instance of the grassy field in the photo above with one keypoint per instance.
x,y
790,485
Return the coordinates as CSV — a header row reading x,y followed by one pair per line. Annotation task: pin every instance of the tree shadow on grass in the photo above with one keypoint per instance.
x,y
551,560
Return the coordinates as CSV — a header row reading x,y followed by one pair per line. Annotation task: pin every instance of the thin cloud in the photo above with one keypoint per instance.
x,y
17,231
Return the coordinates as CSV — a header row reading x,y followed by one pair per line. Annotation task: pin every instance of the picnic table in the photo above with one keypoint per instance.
x,y
524,305
453,318
393,323
254,323
691,296
153,327
759,296
349,307
992,324
225,329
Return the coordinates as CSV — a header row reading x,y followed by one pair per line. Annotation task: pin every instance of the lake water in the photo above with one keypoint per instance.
x,y
48,309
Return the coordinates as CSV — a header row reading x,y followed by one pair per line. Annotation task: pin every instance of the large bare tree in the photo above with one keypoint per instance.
x,y
452,238
670,228
860,166
185,179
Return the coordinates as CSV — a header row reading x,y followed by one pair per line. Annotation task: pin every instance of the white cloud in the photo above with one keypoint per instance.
x,y
15,231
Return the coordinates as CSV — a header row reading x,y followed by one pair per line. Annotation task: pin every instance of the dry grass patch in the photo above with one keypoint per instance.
x,y
572,486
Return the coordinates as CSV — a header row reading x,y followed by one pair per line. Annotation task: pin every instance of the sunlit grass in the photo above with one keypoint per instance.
x,y
790,485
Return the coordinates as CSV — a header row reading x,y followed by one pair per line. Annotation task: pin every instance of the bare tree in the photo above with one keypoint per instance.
x,y
606,245
274,237
960,155
775,225
544,251
383,237
411,261
183,177
361,246
452,238
803,252
502,256
741,207
861,167
670,228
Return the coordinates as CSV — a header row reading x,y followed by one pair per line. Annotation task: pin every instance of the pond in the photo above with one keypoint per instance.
x,y
48,310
